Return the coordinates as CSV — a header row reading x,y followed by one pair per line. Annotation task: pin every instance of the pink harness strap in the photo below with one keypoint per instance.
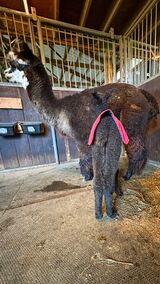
x,y
120,126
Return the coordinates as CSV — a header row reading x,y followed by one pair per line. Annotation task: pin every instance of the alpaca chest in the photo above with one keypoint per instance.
x,y
63,124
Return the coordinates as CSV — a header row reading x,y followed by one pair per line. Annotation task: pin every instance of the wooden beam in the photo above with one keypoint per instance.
x,y
85,11
55,9
111,14
10,103
25,3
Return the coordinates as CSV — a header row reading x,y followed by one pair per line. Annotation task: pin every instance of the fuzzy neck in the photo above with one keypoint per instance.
x,y
40,91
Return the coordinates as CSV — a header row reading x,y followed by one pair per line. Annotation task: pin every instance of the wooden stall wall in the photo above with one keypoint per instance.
x,y
153,131
25,150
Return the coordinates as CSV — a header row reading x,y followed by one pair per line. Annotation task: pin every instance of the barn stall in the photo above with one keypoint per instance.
x,y
40,177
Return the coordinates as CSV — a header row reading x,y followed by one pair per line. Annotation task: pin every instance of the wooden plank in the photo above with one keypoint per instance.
x,y
21,141
7,145
10,103
9,92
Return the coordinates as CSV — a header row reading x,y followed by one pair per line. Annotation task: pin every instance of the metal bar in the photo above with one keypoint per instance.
x,y
129,62
3,50
49,55
142,66
32,35
73,60
23,29
104,64
8,31
53,52
121,59
99,65
41,42
63,70
95,71
146,51
76,28
155,40
135,61
67,58
55,145
144,44
15,28
79,58
84,61
108,63
114,61
150,41
125,60
90,60
11,11
132,56
138,75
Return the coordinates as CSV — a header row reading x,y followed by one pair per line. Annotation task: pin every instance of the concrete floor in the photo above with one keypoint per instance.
x,y
49,233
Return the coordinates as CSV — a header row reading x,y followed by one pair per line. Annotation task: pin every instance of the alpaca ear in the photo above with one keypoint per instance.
x,y
25,46
25,50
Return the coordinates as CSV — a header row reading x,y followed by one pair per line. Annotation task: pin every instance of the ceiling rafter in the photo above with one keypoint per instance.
x,y
85,11
111,14
55,9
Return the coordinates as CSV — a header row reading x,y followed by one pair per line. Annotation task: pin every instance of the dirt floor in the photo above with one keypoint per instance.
x,y
48,233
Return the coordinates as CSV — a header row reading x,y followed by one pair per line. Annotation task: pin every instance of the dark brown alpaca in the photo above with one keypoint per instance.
x,y
74,117
136,108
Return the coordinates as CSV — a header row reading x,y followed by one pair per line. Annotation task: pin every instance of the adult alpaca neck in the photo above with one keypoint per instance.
x,y
39,88
40,91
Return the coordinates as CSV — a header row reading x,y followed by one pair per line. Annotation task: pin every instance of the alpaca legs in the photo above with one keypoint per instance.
x,y
137,156
98,182
118,190
108,200
98,194
86,167
104,179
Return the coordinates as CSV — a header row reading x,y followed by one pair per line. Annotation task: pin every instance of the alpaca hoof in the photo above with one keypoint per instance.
x,y
120,194
88,177
113,216
127,176
99,217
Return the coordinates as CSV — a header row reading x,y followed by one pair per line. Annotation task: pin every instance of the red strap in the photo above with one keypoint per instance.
x,y
120,126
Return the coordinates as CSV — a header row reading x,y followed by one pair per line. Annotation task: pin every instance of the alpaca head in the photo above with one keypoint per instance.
x,y
20,55
13,75
19,58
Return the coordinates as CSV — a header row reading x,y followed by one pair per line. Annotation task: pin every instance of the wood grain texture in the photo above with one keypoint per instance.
x,y
10,103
